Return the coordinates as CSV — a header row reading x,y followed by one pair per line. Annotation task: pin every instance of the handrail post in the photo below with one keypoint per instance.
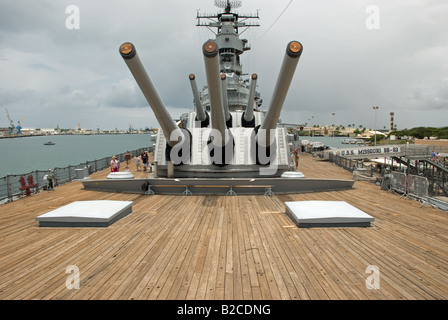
x,y
8,186
36,181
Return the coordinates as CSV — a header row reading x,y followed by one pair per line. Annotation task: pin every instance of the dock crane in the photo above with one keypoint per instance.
x,y
19,126
11,123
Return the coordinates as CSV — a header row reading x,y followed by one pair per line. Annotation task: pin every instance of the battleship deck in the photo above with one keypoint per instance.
x,y
218,247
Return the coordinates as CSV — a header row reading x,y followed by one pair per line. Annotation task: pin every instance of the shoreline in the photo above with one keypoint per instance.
x,y
69,134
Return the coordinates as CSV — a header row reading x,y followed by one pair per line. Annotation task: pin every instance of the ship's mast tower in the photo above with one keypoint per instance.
x,y
229,25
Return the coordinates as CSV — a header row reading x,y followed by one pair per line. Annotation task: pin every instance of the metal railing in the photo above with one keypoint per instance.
x,y
416,161
423,151
13,186
350,164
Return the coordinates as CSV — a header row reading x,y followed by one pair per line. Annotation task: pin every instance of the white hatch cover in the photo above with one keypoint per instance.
x,y
100,213
326,214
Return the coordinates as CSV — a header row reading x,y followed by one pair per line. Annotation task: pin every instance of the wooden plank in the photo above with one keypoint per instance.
x,y
191,276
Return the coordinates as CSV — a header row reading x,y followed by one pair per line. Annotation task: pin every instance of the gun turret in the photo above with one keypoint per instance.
x,y
293,51
201,115
248,119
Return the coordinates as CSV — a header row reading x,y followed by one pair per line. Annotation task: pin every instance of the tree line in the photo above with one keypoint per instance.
x,y
423,132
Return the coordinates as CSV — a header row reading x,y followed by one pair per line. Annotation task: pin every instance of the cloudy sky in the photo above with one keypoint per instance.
x,y
392,55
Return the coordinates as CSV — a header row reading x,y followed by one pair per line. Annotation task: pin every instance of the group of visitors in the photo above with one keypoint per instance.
x,y
141,160
435,156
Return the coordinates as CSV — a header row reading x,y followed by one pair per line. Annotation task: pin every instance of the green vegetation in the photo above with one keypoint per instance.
x,y
379,137
423,132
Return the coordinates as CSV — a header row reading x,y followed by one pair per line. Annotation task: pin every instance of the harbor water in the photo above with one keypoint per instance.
x,y
24,155
332,142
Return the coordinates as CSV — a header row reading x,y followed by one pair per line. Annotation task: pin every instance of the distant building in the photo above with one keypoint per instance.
x,y
371,133
4,131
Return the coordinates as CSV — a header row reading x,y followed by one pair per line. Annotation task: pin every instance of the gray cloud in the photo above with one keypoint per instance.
x,y
52,75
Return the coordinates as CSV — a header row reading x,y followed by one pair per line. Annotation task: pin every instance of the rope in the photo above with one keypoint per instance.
x,y
276,19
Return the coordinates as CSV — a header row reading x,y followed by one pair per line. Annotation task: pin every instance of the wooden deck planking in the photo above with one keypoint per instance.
x,y
216,247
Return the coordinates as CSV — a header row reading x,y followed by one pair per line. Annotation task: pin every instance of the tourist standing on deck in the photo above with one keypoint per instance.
x,y
145,161
296,158
127,157
114,165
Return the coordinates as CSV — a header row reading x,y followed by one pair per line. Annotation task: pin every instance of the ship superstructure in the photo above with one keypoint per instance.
x,y
227,134
229,26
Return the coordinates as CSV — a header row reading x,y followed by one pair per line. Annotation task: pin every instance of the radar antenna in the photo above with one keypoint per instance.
x,y
227,4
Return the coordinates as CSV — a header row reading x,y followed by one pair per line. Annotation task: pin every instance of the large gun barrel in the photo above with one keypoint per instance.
x,y
129,54
293,51
201,115
225,101
248,116
211,59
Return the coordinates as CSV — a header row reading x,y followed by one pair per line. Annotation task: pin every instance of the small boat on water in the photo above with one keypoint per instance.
x,y
315,145
353,141
49,143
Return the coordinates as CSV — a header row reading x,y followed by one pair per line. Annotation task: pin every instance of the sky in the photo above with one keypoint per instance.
x,y
356,54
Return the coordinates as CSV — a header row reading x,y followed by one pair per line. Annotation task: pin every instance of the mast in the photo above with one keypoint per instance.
x,y
227,26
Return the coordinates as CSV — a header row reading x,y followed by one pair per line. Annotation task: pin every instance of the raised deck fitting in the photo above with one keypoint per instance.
x,y
100,213
202,186
326,214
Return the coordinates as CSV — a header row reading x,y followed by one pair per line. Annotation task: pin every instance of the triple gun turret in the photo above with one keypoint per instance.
x,y
220,119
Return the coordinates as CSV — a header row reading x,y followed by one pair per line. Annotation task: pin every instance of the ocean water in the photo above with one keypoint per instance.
x,y
24,155
332,142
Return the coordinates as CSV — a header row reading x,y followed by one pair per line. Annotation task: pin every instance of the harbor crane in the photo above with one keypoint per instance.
x,y
19,126
11,123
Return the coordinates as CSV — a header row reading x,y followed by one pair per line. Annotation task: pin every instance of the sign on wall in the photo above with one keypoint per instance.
x,y
367,151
